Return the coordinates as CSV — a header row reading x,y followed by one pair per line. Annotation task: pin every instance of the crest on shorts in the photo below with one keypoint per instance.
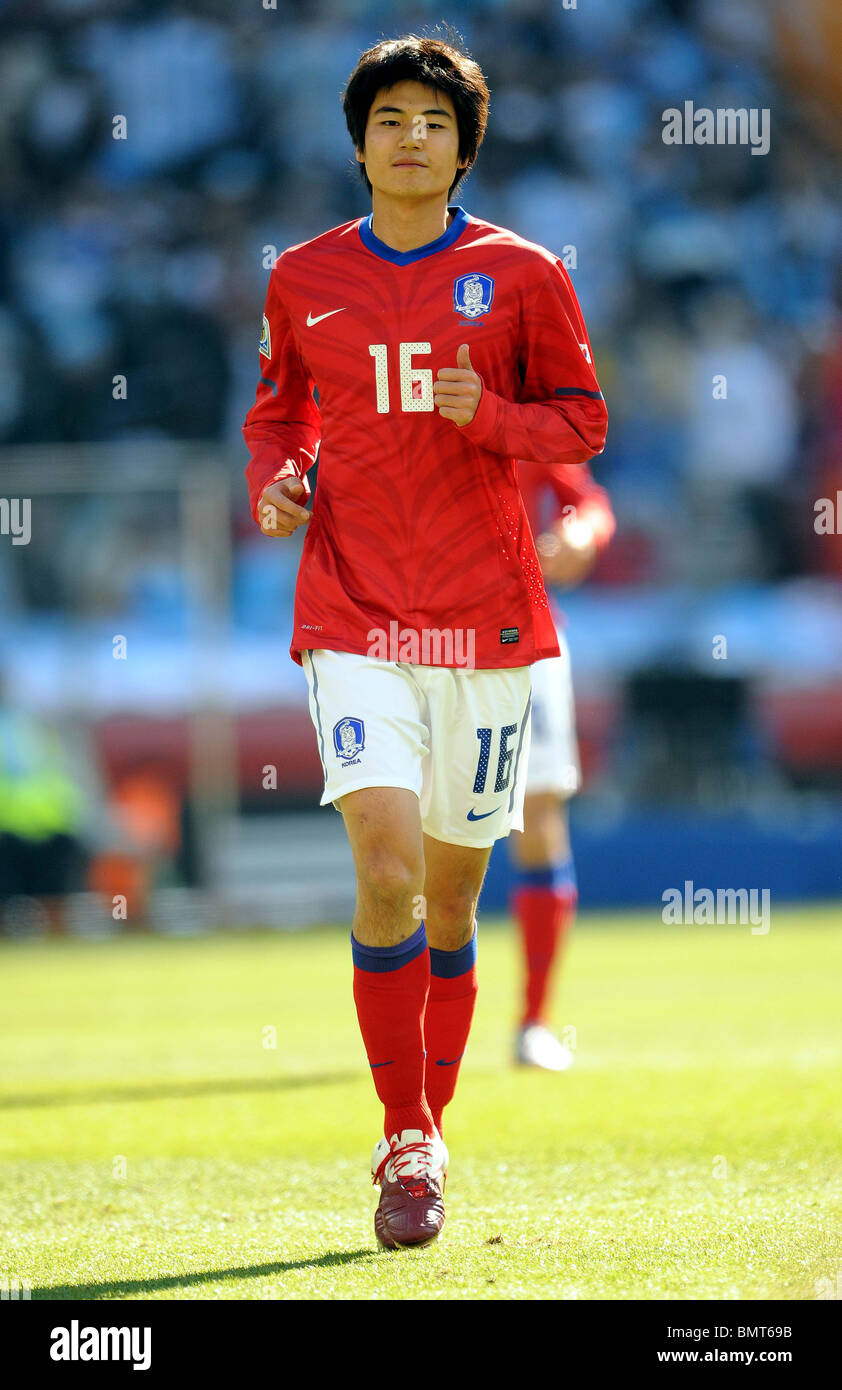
x,y
473,294
348,737
265,338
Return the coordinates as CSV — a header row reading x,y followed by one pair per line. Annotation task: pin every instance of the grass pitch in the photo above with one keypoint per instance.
x,y
193,1119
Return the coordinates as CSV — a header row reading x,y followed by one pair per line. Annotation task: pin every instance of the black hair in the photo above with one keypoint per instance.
x,y
437,63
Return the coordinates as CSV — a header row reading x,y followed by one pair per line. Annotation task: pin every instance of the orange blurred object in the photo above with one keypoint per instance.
x,y
114,875
147,809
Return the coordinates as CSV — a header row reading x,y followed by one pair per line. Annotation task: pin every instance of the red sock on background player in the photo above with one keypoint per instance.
x,y
544,901
391,984
447,1021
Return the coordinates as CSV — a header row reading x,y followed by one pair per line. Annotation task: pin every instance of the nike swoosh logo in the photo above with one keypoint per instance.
x,y
441,1062
319,317
471,815
374,1065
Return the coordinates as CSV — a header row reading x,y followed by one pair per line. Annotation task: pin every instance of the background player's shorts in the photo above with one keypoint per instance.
x,y
458,738
40,868
553,753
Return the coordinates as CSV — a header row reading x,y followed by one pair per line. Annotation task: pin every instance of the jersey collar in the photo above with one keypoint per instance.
x,y
456,228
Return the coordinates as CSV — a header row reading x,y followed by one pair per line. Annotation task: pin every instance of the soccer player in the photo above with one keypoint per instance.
x,y
443,348
572,521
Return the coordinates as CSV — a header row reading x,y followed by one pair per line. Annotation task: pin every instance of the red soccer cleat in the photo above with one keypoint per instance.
x,y
410,1169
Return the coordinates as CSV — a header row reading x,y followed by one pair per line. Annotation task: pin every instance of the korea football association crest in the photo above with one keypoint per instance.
x,y
349,738
473,294
265,339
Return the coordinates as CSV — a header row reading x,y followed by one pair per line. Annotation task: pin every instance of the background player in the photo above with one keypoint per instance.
x,y
572,521
418,529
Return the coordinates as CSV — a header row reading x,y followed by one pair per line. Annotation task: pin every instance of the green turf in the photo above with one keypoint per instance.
x,y
152,1147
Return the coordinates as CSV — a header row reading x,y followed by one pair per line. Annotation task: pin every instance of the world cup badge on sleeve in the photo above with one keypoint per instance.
x,y
265,339
473,294
348,738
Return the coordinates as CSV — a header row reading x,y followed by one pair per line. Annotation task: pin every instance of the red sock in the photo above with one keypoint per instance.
x,y
544,903
447,1022
390,991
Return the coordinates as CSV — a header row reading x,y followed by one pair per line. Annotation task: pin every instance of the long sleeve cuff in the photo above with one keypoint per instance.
x,y
480,429
263,471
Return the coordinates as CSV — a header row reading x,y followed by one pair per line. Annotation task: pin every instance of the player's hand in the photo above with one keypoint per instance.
x,y
457,390
278,511
567,554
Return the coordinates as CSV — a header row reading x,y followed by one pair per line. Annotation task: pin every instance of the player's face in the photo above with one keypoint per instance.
x,y
411,122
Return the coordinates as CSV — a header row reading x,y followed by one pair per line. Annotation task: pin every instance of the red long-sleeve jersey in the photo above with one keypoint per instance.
x,y
416,520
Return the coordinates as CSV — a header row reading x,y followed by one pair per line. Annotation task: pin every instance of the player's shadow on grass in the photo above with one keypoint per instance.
x,y
123,1288
175,1090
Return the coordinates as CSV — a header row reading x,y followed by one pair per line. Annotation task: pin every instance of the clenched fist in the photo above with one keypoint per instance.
x,y
278,511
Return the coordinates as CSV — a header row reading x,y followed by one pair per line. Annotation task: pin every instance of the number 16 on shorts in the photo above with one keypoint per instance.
x,y
505,756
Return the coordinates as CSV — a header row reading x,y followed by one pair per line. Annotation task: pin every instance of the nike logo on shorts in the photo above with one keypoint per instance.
x,y
471,815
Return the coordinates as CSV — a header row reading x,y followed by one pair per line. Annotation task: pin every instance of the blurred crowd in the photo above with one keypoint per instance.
x,y
132,280
148,255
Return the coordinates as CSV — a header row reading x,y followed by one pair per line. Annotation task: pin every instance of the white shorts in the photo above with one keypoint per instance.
x,y
457,738
553,753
